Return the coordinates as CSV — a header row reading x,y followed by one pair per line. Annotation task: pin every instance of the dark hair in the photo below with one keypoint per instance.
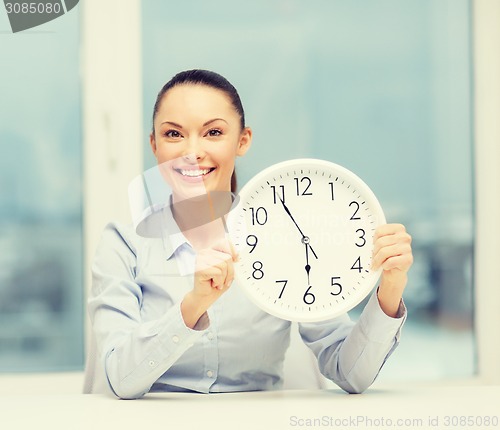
x,y
209,79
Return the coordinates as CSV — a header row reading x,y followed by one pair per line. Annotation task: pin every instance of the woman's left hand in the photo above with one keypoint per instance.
x,y
392,252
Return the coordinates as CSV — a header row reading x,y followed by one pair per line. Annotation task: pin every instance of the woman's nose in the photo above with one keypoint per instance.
x,y
193,150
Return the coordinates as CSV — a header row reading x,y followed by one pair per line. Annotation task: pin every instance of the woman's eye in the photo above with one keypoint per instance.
x,y
173,134
214,132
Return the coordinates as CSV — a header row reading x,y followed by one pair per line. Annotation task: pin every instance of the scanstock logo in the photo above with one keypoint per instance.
x,y
25,14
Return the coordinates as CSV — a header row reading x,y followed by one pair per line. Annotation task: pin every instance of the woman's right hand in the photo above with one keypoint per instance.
x,y
214,274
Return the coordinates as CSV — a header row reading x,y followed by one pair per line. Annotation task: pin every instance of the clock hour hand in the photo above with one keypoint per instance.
x,y
308,266
305,239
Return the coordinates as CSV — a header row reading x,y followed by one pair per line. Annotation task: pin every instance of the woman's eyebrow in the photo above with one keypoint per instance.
x,y
172,123
213,120
204,125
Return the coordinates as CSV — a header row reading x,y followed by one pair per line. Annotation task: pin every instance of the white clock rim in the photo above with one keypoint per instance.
x,y
370,280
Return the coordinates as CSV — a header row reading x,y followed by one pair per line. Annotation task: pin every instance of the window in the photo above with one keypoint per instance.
x,y
41,287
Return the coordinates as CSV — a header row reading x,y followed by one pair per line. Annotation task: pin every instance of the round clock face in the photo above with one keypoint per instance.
x,y
304,232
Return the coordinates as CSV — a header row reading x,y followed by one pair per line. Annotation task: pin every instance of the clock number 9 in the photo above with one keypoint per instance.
x,y
309,298
259,215
253,243
257,273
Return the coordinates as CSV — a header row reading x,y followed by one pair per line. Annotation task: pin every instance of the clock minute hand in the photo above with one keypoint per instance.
x,y
305,239
291,216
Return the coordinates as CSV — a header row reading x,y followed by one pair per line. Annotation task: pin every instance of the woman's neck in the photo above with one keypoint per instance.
x,y
201,218
206,235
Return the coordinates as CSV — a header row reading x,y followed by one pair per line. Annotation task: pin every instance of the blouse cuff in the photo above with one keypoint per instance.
x,y
377,325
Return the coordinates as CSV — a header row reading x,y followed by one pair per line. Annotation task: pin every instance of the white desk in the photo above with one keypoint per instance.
x,y
420,407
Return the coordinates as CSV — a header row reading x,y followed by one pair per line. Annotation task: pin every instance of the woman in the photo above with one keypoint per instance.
x,y
165,315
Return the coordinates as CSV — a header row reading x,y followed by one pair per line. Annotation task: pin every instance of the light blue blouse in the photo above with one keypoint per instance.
x,y
143,344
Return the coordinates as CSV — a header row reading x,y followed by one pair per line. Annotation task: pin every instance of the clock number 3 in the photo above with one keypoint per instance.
x,y
361,236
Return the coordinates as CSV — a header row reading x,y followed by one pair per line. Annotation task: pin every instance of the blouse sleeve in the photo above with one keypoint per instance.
x,y
352,354
133,353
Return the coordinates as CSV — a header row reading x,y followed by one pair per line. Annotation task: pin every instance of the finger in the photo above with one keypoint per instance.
x,y
226,246
210,277
388,229
234,252
224,263
399,236
388,252
225,276
400,262
229,274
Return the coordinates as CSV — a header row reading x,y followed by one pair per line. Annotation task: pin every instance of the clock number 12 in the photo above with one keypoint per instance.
x,y
307,181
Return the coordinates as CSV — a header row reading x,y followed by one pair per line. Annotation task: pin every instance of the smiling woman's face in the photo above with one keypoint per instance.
x,y
197,138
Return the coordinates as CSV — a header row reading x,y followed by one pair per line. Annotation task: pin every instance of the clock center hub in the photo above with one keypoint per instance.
x,y
305,240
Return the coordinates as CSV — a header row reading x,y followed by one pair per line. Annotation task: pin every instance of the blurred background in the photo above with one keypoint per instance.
x,y
384,88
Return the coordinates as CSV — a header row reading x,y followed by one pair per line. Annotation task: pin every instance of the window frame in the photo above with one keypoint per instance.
x,y
486,67
112,118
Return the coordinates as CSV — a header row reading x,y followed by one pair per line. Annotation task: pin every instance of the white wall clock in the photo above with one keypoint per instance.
x,y
304,231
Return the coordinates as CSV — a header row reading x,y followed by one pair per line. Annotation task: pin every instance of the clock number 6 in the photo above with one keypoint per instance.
x,y
308,298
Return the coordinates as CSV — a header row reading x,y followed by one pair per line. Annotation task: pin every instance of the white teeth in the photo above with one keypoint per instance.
x,y
194,173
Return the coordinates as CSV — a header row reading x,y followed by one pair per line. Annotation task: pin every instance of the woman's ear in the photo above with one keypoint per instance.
x,y
245,141
152,143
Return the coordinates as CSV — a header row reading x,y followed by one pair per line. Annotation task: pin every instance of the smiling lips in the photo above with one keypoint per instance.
x,y
194,173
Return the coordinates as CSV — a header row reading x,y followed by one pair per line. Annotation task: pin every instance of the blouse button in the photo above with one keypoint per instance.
x,y
210,335
210,373
175,339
